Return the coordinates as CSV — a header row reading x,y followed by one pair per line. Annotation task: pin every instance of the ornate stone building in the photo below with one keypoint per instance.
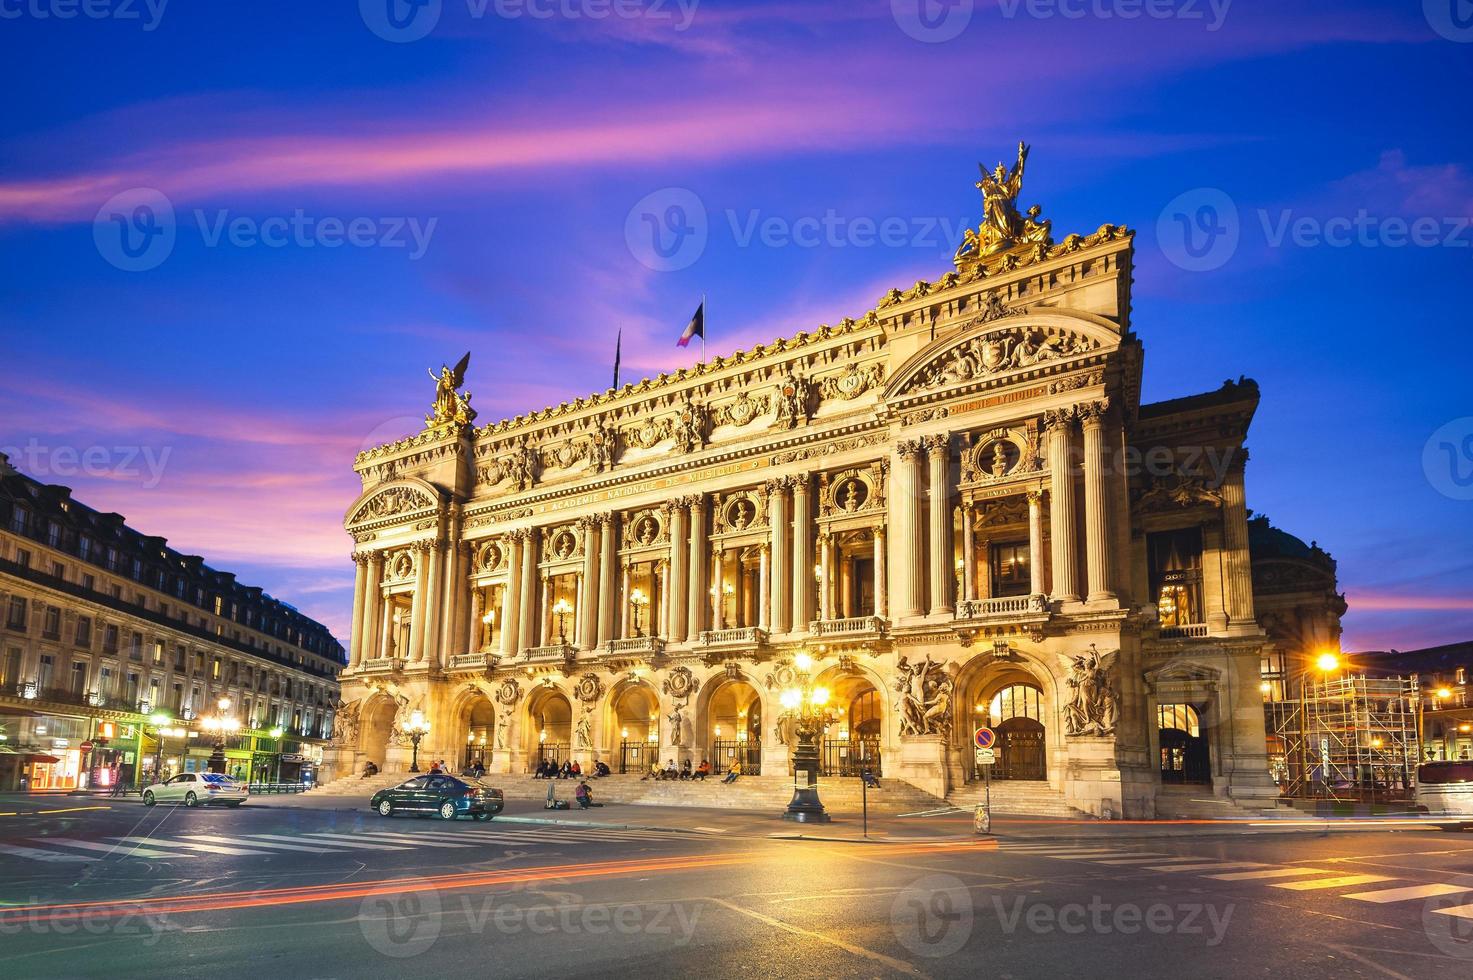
x,y
955,505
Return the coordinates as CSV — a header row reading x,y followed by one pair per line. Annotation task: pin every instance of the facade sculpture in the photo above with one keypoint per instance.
x,y
898,496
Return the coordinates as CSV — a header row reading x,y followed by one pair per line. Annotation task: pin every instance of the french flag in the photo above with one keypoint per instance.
x,y
696,327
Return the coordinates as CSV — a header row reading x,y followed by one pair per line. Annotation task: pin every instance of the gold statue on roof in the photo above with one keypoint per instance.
x,y
452,408
1003,227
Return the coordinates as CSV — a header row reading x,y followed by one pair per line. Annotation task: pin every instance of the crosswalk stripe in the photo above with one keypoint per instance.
x,y
1081,855
208,848
338,840
1213,866
1271,873
216,839
344,845
438,839
1342,881
37,854
1408,894
1458,911
117,850
1153,859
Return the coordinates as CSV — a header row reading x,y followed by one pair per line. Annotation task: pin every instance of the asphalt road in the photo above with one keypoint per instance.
x,y
123,891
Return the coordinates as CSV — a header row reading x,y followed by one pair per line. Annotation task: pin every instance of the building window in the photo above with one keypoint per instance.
x,y
1010,572
215,669
158,653
23,558
110,639
53,534
79,678
179,659
10,668
18,515
137,570
84,548
84,631
1175,560
58,570
51,626
135,648
15,618
1461,675
112,559
89,583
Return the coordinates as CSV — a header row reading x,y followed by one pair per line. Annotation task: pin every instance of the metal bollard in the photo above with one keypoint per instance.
x,y
982,819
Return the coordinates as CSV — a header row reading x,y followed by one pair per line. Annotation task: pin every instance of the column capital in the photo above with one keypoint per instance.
x,y
1092,414
1060,418
362,557
937,443
908,449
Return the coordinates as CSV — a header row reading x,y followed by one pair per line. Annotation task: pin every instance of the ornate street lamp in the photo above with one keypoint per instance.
x,y
560,609
807,707
221,724
638,600
417,729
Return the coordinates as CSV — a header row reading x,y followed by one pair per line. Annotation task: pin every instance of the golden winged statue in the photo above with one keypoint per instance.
x,y
1003,227
452,409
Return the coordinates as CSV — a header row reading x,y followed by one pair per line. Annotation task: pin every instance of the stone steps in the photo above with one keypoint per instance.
x,y
748,792
1029,798
1201,804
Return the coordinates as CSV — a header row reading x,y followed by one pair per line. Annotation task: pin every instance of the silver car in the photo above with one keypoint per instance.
x,y
196,789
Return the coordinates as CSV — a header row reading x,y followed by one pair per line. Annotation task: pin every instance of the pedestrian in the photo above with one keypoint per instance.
x,y
703,770
868,775
733,773
583,795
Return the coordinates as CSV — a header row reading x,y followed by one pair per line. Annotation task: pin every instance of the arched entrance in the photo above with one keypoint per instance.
x,y
1015,713
480,733
1185,758
1011,697
375,724
733,728
635,717
851,743
549,726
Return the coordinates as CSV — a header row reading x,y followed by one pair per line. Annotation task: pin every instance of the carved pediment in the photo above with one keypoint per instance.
x,y
391,502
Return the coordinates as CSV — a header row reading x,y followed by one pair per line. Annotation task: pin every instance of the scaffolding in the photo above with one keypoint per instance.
x,y
1349,738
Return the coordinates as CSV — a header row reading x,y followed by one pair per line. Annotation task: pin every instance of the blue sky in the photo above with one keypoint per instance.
x,y
492,166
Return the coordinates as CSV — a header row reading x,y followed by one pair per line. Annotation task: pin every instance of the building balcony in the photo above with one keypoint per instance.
x,y
857,628
1190,631
381,665
473,661
558,654
742,637
1004,607
650,646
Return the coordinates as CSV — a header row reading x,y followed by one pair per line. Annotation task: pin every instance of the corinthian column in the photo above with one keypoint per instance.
x,y
881,600
673,600
373,601
938,451
608,598
764,589
1239,578
1096,503
1061,512
777,521
905,540
588,604
802,597
360,592
697,599
718,580
475,627
527,628
434,603
511,595
425,556
1035,542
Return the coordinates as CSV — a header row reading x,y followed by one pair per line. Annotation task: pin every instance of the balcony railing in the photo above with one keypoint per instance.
x,y
1191,631
556,653
380,665
740,636
464,661
651,645
1012,605
857,626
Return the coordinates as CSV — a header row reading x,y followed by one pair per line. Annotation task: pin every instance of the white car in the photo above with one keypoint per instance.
x,y
196,789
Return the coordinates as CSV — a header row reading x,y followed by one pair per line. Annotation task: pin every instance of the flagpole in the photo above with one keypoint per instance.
x,y
703,328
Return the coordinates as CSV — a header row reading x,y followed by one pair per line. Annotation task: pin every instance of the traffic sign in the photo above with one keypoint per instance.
x,y
85,746
986,757
984,737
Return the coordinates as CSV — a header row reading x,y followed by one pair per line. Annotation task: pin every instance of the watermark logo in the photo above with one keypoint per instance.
x,y
1100,918
148,13
1199,230
400,21
134,230
667,229
1453,19
933,917
47,462
1451,934
1213,13
402,924
1447,459
932,21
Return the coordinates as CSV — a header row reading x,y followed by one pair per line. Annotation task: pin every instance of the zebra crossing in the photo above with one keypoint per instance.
x,y
1305,878
68,850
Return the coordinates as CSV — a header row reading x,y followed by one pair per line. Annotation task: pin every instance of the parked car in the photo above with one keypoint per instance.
x,y
196,789
1446,787
449,796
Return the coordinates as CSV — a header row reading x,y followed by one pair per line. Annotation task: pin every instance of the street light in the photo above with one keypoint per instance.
x,y
417,729
1327,662
806,706
639,601
560,609
488,621
221,724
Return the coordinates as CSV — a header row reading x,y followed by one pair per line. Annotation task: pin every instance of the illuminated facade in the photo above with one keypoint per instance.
x,y
955,505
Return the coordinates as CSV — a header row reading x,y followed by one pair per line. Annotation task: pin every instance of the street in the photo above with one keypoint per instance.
x,y
100,887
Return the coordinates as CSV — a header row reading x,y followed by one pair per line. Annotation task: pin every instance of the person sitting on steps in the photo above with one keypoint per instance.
x,y
702,771
733,773
868,775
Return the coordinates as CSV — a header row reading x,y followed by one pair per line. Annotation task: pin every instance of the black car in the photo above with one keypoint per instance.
x,y
449,796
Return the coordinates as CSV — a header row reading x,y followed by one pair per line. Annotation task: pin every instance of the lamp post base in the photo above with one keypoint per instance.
x,y
806,807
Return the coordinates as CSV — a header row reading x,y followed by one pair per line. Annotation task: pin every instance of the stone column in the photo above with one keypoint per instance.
x,y
544,617
588,604
764,589
373,602
1061,512
718,607
697,598
426,555
938,451
1035,542
673,601
969,555
777,556
1238,574
986,587
882,600
476,628
386,629
1096,504
360,593
460,594
802,597
826,576
607,565
527,629
511,596
664,601
626,615
905,539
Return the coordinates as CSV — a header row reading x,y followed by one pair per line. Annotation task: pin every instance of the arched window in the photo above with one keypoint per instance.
x,y
1017,701
1182,717
864,714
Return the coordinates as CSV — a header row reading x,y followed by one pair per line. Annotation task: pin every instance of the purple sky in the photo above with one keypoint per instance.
x,y
496,172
